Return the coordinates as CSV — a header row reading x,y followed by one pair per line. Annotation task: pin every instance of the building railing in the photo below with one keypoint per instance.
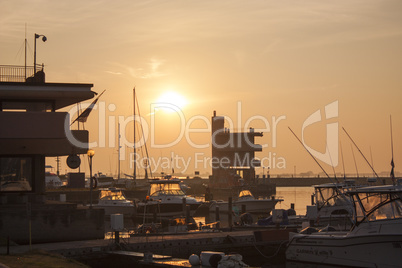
x,y
16,73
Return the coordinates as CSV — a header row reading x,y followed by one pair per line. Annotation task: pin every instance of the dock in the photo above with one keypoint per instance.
x,y
249,243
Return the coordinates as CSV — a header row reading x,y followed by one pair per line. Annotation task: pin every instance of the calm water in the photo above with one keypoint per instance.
x,y
299,196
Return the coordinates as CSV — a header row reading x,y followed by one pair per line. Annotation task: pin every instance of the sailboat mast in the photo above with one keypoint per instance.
x,y
118,154
135,155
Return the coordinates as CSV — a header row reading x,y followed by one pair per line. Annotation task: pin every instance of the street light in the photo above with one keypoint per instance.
x,y
44,40
90,154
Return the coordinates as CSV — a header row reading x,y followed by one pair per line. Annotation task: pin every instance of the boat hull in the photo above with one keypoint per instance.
x,y
382,250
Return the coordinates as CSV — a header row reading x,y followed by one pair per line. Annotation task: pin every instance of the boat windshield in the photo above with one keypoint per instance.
x,y
245,193
111,195
329,196
377,206
158,189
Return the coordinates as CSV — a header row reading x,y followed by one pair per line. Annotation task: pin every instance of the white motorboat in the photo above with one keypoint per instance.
x,y
375,240
103,181
252,205
332,206
166,199
113,201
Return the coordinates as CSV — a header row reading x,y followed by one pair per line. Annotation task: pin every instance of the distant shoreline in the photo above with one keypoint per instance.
x,y
308,181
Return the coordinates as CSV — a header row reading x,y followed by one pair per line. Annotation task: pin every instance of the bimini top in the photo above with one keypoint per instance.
x,y
377,189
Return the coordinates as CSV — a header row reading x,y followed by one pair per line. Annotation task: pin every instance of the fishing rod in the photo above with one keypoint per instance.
x,y
361,153
392,152
311,155
343,163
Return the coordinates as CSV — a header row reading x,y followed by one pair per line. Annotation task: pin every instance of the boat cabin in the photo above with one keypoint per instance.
x,y
331,195
376,204
111,194
165,187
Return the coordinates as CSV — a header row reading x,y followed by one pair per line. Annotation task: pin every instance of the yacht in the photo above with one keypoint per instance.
x,y
166,198
332,206
113,201
375,239
103,181
252,205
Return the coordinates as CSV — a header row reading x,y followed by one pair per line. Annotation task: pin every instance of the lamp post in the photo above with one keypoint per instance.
x,y
44,40
90,154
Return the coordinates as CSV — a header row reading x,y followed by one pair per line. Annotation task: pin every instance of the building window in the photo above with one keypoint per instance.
x,y
16,174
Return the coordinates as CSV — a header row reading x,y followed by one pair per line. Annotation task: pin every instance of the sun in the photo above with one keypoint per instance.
x,y
173,100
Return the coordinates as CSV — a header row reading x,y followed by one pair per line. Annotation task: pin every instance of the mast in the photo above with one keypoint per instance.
x,y
118,154
135,155
25,43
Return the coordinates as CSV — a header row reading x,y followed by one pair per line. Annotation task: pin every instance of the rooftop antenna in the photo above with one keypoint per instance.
x,y
361,153
25,43
392,152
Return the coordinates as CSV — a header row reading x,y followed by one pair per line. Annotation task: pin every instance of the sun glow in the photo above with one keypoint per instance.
x,y
173,100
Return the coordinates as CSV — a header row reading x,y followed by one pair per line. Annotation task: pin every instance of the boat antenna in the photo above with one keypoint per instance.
x,y
343,162
361,153
392,152
310,153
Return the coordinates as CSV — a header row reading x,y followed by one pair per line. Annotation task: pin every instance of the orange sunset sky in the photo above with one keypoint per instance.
x,y
259,60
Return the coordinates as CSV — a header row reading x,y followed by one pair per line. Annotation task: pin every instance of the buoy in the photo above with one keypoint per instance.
x,y
194,260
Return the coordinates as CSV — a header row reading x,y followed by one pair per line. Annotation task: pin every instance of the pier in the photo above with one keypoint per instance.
x,y
248,243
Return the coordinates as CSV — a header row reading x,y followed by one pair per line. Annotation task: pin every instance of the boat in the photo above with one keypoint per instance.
x,y
331,204
113,201
251,204
166,198
52,180
103,181
375,239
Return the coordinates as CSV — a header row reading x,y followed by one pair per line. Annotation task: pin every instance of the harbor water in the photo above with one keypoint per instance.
x,y
299,196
